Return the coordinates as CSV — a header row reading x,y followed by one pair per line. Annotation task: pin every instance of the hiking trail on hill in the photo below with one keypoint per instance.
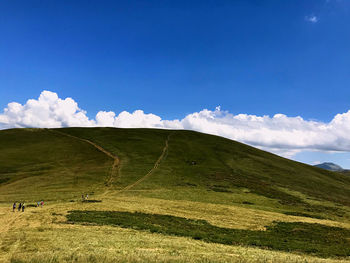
x,y
157,163
115,166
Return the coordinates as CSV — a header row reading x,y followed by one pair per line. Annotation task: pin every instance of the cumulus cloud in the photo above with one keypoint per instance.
x,y
279,134
47,111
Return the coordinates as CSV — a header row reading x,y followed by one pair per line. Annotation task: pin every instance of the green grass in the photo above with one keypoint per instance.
x,y
219,161
40,164
46,164
316,239
236,188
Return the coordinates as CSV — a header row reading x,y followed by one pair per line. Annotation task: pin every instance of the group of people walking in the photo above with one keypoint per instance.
x,y
22,206
40,203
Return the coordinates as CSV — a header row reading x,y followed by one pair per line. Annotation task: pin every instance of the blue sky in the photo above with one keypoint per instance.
x,y
174,58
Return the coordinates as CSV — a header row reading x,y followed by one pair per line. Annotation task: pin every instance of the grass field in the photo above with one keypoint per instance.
x,y
164,196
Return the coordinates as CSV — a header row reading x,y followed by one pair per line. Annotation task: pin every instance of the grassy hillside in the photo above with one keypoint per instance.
x,y
39,164
245,196
212,164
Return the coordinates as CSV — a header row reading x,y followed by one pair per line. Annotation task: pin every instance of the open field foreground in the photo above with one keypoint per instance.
x,y
164,196
42,235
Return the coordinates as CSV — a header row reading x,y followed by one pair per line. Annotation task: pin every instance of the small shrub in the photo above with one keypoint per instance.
x,y
220,188
91,201
4,180
56,214
304,215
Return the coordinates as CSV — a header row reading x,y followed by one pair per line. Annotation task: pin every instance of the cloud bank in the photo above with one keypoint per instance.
x,y
279,134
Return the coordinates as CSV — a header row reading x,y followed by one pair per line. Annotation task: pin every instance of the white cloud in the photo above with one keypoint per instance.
x,y
312,19
137,119
47,111
279,134
105,119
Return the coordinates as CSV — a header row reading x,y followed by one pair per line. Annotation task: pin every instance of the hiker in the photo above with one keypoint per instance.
x,y
37,204
23,206
19,207
87,196
82,197
14,207
42,203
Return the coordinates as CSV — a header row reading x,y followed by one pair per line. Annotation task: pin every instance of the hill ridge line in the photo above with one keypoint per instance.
x,y
116,161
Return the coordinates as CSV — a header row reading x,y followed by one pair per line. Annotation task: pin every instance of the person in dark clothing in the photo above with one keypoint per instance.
x,y
14,207
19,207
23,206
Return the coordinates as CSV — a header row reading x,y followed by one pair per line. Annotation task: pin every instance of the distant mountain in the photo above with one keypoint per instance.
x,y
330,166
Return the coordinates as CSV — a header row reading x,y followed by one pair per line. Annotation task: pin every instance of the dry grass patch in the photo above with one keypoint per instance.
x,y
41,234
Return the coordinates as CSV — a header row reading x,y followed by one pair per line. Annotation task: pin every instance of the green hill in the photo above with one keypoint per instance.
x,y
40,161
181,173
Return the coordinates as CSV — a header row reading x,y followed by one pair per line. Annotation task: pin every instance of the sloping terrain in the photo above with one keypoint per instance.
x,y
183,174
205,162
39,164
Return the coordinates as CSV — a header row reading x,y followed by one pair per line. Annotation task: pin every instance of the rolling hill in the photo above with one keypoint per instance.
x,y
59,160
180,173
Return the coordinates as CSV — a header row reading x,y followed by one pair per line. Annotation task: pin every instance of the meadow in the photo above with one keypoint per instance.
x,y
164,196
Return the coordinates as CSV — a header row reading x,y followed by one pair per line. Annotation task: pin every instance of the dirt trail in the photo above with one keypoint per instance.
x,y
161,157
112,176
85,140
116,162
115,166
7,219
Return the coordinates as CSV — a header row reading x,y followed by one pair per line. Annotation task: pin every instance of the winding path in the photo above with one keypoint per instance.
x,y
115,166
157,163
